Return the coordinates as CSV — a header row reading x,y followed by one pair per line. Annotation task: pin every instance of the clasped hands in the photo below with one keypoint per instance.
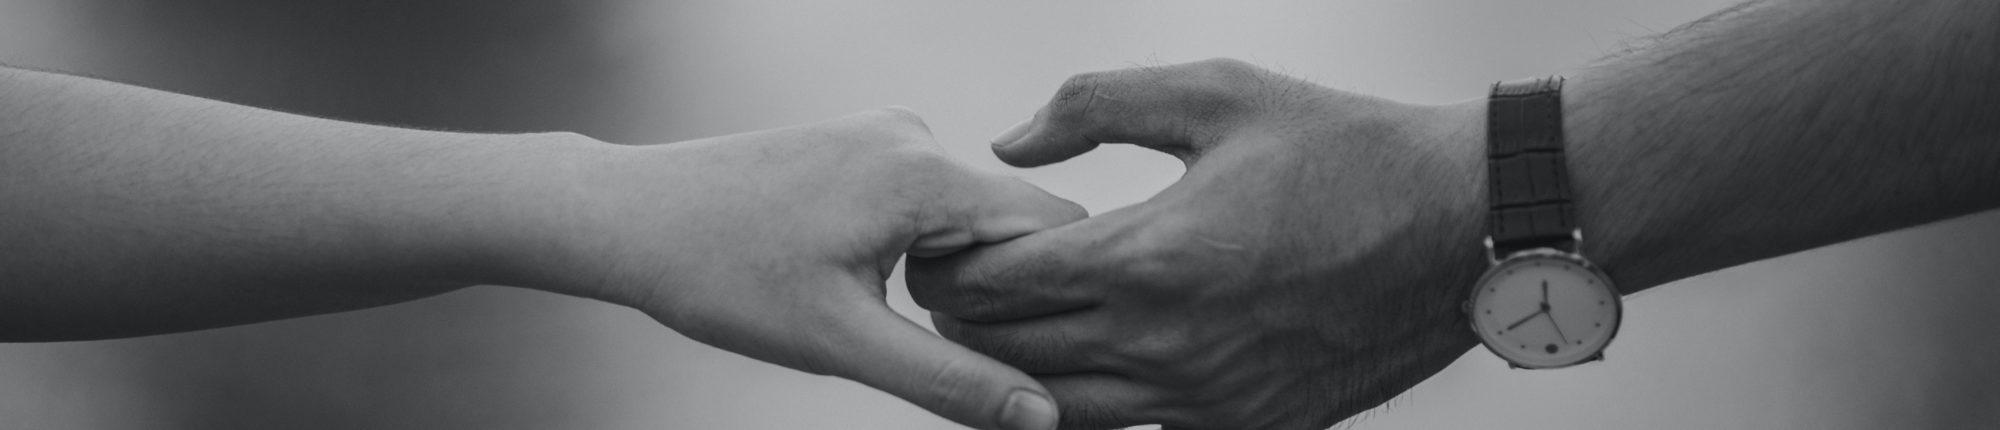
x,y
1306,267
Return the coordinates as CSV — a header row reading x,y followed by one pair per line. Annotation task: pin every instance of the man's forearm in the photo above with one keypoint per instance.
x,y
1780,126
126,211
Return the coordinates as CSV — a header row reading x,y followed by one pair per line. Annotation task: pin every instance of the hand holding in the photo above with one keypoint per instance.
x,y
1308,266
776,244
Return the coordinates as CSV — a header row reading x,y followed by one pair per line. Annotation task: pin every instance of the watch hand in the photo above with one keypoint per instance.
x,y
1545,294
1524,320
1559,327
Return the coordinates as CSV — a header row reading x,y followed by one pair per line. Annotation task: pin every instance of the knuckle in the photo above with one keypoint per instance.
x,y
1158,277
921,159
1228,67
1234,75
922,172
1202,94
1166,350
899,115
1224,85
891,125
1078,86
1072,102
1167,257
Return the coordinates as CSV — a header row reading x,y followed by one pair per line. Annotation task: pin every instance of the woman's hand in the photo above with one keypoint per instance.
x,y
776,244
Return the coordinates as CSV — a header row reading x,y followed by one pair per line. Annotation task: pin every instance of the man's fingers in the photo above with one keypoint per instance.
x,y
1050,271
1177,109
875,346
1032,246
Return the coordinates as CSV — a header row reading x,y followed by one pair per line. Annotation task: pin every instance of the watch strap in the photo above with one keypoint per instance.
x,y
1527,175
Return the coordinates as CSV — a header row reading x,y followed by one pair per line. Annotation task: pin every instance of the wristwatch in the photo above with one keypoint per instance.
x,y
1541,303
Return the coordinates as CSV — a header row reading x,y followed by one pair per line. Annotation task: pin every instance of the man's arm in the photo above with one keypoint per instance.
x,y
1780,126
126,211
1312,262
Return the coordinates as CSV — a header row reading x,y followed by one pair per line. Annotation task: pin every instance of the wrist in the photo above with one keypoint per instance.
x,y
1614,215
512,213
1456,137
1461,144
1462,131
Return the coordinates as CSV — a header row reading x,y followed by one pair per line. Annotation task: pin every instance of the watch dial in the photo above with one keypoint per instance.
x,y
1545,311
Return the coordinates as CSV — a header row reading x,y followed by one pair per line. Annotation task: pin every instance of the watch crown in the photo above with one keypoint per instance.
x,y
1491,260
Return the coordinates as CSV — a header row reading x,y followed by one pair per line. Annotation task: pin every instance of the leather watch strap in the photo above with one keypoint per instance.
x,y
1527,175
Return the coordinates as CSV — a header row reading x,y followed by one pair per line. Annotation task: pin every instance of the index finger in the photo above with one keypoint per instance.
x,y
1050,271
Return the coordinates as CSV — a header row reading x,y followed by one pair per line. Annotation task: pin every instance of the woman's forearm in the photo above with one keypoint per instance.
x,y
126,211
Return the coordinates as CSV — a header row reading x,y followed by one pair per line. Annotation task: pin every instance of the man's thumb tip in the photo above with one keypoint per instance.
x,y
1040,149
1013,134
1017,153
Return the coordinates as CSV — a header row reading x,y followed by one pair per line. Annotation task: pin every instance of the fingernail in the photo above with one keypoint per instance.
x,y
1013,133
1026,410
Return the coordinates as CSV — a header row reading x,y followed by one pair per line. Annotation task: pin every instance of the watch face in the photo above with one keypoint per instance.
x,y
1543,310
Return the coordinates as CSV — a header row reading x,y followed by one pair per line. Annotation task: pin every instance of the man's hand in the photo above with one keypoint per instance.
x,y
776,244
1307,267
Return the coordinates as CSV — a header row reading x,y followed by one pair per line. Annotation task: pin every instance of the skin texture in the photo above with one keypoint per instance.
x,y
1311,262
1775,127
1303,270
785,258
132,212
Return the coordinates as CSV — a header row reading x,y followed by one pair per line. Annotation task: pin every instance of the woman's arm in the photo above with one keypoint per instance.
x,y
130,211
126,211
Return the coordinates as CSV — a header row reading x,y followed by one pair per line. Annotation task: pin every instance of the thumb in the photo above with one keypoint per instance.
x,y
883,350
1178,109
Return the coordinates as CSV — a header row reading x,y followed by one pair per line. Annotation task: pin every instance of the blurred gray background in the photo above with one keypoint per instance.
x,y
1893,331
